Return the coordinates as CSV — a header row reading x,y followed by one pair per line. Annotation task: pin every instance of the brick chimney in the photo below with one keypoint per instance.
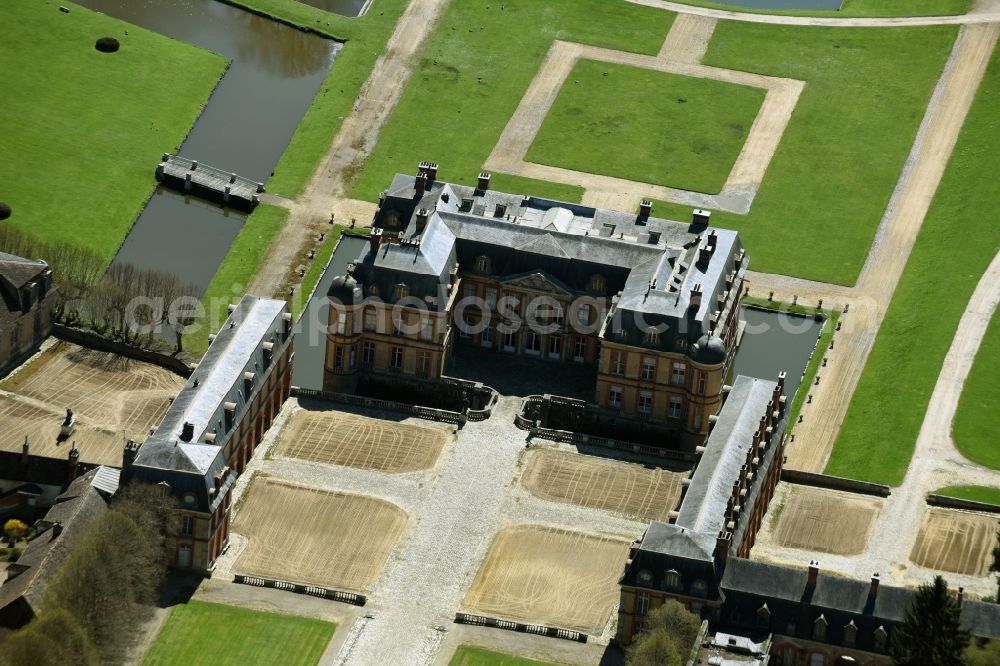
x,y
421,219
187,431
483,182
24,453
722,543
375,240
700,217
129,453
429,170
645,208
873,590
706,251
813,572
74,463
420,184
695,296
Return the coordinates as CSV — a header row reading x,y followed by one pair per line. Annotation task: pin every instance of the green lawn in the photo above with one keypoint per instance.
x,y
860,8
215,635
365,39
466,655
81,130
647,126
959,238
973,493
825,191
974,429
236,272
473,73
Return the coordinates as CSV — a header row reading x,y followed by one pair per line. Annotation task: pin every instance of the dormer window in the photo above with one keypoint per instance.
x,y
672,580
764,616
500,211
819,628
483,264
596,283
373,290
400,291
880,638
652,337
645,577
850,633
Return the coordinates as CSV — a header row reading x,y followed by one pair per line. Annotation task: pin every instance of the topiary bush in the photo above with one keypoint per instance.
x,y
107,45
4,211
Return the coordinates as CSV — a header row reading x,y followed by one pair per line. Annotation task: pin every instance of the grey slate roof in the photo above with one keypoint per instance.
x,y
704,505
75,510
190,465
15,273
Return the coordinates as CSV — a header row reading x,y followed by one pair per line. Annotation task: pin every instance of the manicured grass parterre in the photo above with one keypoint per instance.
x,y
958,240
828,184
216,635
466,655
974,427
972,493
81,130
365,38
647,126
236,272
859,8
473,73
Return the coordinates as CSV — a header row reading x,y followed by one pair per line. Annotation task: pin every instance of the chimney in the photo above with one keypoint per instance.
x,y
483,183
421,219
24,452
813,572
74,462
961,596
645,208
706,251
374,240
129,453
57,529
429,170
701,217
722,543
420,183
873,591
187,431
695,296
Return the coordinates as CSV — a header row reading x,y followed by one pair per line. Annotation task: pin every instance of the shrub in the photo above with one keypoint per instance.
x,y
4,210
15,529
107,45
13,554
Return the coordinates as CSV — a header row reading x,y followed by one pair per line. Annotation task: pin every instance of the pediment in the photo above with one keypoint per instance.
x,y
538,281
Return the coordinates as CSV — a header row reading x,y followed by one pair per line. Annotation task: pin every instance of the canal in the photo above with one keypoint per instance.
x,y
310,338
251,116
776,341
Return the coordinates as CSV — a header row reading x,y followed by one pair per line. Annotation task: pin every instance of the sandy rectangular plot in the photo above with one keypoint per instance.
x,y
108,390
955,541
549,576
827,521
563,476
310,535
41,426
339,438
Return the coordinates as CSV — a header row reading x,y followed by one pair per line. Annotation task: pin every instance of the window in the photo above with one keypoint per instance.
x,y
620,333
677,374
580,349
696,608
652,337
696,419
424,363
682,344
491,298
482,264
596,283
645,402
341,323
699,587
368,354
672,580
373,290
510,342
187,525
338,358
817,659
615,397
466,327
880,638
397,357
400,291
819,628
617,363
487,336
583,314
426,329
674,411
469,291
533,343
555,346
788,656
641,603
764,616
701,383
850,633
398,324
649,369
371,319
645,576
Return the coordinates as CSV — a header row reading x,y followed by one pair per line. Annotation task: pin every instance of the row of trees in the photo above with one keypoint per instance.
x,y
123,302
104,589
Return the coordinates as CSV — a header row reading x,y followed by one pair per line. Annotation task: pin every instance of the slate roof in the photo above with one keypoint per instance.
x,y
75,510
704,505
190,464
15,273
18,271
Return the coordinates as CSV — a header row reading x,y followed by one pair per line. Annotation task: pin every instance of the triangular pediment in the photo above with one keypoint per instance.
x,y
538,281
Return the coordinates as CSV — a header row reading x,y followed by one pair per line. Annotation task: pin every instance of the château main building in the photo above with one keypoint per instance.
x,y
652,303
